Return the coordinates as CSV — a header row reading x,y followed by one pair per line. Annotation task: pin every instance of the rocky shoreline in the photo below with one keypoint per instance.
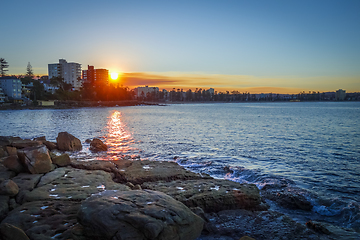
x,y
44,194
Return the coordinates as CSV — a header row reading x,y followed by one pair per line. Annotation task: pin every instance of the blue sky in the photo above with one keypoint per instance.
x,y
242,44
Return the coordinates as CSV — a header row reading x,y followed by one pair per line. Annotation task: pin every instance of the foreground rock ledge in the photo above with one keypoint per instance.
x,y
140,214
48,201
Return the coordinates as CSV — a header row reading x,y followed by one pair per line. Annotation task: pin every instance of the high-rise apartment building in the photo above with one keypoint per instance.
x,y
71,72
96,76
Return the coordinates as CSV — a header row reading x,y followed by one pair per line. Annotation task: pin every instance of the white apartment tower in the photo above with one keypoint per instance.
x,y
71,72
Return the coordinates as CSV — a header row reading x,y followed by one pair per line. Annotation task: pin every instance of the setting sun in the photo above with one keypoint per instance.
x,y
114,75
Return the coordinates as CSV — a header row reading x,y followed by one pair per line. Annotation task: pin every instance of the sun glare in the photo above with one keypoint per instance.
x,y
114,75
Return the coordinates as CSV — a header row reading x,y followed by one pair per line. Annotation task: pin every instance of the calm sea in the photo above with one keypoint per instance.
x,y
313,146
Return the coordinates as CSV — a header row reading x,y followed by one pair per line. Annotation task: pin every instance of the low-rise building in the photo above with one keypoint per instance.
x,y
12,87
26,89
46,103
143,91
2,95
340,95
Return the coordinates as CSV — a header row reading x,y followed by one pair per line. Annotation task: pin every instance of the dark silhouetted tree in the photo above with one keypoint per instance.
x,y
3,67
29,71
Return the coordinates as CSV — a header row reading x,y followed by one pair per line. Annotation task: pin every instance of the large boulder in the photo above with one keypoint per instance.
x,y
10,232
50,145
138,215
11,150
212,195
67,142
61,160
8,188
36,159
13,163
96,145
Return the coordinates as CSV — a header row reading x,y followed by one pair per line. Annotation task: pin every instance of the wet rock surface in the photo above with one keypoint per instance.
x,y
138,215
75,185
149,171
262,225
287,198
45,219
212,195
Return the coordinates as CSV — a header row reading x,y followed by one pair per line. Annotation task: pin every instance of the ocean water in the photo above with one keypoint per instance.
x,y
312,147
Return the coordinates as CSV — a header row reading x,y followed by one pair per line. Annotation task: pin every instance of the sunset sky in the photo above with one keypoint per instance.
x,y
257,46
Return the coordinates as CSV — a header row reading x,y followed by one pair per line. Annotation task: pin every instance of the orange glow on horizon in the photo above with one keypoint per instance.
x,y
241,83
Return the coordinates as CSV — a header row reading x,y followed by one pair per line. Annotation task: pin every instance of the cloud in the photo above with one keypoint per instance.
x,y
182,80
139,79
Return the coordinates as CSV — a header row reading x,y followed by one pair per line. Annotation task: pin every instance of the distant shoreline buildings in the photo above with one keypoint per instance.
x,y
94,84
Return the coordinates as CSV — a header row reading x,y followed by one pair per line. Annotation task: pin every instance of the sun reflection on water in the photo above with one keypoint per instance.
x,y
117,138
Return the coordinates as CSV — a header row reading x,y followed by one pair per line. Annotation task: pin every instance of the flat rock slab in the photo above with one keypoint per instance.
x,y
51,176
262,225
26,182
116,168
45,219
76,184
107,166
212,195
138,215
24,143
151,171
